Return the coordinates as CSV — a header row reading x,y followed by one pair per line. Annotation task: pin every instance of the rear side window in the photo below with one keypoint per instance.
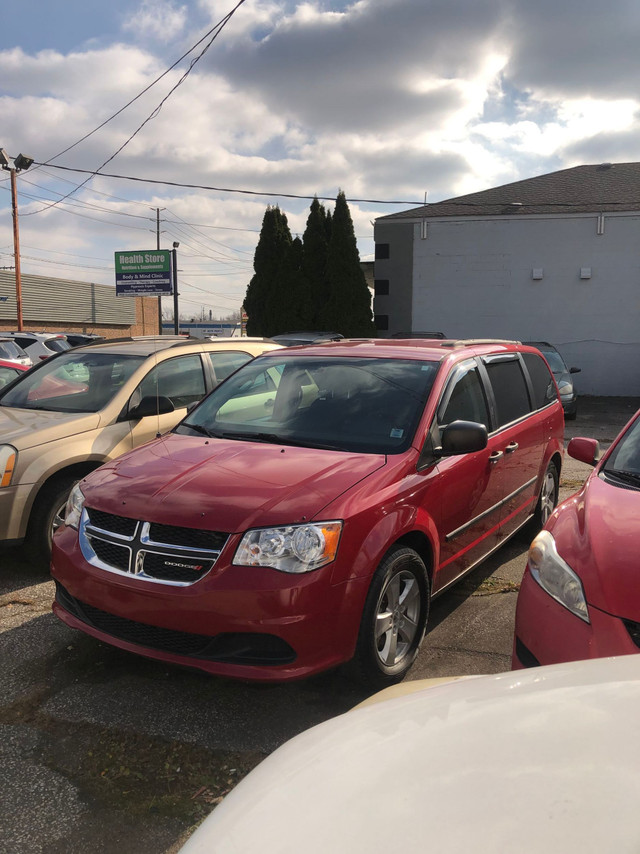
x,y
57,345
509,390
224,364
544,387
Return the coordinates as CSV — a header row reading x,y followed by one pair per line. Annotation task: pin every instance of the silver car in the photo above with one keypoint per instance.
x,y
39,345
11,351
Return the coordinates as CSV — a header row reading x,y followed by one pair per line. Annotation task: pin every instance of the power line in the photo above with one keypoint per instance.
x,y
216,32
231,190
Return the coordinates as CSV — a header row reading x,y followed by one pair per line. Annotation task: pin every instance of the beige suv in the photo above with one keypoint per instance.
x,y
83,407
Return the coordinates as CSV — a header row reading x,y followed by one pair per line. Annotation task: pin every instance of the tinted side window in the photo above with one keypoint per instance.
x,y
509,390
224,364
467,401
180,379
544,388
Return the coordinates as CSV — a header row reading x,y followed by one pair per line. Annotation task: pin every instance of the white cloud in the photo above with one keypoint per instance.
x,y
381,98
156,19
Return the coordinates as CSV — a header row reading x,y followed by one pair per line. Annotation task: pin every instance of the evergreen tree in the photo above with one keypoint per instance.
x,y
314,261
295,304
348,307
263,296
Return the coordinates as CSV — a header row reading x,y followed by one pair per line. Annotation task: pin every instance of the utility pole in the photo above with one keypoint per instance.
x,y
157,210
20,164
176,321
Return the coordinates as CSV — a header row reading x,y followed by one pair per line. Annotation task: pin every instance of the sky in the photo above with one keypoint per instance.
x,y
389,101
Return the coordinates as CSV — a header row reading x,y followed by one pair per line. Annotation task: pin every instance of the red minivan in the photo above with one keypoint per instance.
x,y
305,512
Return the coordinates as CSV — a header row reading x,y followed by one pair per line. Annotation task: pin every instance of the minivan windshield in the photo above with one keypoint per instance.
x,y
338,403
72,382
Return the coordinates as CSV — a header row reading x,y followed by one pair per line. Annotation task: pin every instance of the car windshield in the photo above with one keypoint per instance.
x,y
72,382
624,461
338,403
555,360
10,350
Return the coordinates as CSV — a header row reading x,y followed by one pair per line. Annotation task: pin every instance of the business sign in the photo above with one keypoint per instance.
x,y
143,274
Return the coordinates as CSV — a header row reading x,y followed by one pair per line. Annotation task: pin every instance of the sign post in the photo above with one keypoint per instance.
x,y
144,274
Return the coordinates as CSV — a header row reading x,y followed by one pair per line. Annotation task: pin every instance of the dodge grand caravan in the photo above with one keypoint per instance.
x,y
304,514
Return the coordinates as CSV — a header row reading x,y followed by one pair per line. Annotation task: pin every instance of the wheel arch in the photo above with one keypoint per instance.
x,y
76,470
420,543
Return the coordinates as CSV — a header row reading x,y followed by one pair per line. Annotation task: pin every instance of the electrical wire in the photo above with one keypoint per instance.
x,y
231,190
216,32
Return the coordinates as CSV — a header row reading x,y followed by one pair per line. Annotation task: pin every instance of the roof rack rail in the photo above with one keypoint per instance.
x,y
470,342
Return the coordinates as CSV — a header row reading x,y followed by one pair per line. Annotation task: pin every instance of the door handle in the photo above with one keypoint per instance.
x,y
494,456
511,447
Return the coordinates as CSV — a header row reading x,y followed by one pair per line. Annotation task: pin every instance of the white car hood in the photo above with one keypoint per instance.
x,y
544,760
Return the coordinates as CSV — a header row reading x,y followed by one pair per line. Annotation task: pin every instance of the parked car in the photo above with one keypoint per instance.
x,y
77,339
293,339
11,351
9,371
562,374
73,412
580,595
533,762
305,513
39,345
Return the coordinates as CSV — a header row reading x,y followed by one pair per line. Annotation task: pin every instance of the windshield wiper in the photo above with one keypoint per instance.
x,y
198,428
274,439
630,477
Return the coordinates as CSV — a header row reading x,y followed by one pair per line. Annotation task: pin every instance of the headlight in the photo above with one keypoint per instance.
x,y
556,577
8,459
74,508
291,548
565,387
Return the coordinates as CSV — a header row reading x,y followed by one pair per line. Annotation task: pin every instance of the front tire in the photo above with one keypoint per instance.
x,y
46,517
394,619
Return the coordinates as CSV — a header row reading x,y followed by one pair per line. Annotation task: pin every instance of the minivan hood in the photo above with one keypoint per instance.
x,y
25,428
224,485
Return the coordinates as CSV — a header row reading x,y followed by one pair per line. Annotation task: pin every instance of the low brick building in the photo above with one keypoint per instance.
x,y
64,305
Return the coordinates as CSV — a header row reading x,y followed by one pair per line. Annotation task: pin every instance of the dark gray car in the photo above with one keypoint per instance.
x,y
562,375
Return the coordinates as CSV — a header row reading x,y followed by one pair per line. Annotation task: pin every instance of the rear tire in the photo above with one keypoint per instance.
x,y
46,517
394,619
548,497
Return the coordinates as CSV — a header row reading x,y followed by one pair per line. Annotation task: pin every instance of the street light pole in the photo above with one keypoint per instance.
x,y
174,259
20,163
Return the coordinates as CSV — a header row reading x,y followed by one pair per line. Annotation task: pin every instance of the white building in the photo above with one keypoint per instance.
x,y
553,258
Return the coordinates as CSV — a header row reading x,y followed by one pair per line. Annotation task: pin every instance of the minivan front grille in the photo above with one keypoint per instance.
x,y
167,554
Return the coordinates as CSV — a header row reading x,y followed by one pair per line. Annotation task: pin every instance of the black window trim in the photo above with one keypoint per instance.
x,y
504,357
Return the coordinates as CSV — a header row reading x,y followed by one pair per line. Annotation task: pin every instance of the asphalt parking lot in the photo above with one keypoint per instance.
x,y
104,752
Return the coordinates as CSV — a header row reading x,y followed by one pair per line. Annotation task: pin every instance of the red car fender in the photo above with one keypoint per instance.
x,y
360,556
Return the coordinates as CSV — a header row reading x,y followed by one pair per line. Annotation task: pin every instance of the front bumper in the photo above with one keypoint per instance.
x,y
14,502
243,622
547,633
569,404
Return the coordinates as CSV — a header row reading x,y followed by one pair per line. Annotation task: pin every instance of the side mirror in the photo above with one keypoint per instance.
x,y
462,437
151,405
585,450
575,370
